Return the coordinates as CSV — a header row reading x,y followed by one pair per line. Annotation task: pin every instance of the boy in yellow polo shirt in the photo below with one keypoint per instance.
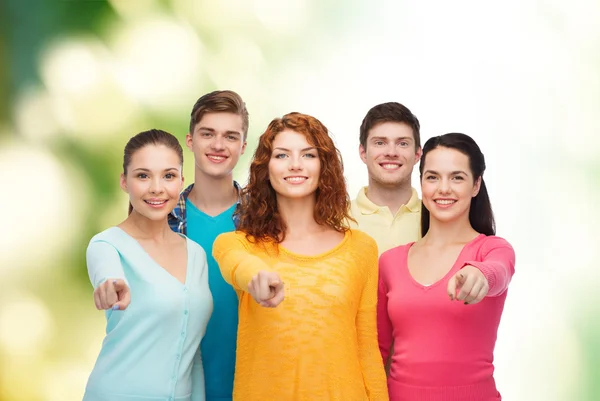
x,y
389,208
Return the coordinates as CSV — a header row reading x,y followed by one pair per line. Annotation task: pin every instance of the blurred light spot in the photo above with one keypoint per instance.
x,y
237,65
27,326
535,320
282,16
213,16
160,64
35,115
65,381
134,8
21,377
43,209
87,98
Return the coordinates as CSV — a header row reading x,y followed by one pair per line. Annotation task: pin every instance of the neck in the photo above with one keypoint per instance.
x,y
143,228
298,215
213,195
391,196
448,233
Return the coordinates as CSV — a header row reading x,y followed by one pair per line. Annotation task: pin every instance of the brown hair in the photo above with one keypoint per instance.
x,y
390,112
224,101
258,215
150,137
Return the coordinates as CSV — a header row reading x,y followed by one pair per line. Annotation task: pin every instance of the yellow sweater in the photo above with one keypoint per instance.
x,y
320,343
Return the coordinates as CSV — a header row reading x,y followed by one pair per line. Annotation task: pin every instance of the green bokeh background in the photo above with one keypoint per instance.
x,y
522,77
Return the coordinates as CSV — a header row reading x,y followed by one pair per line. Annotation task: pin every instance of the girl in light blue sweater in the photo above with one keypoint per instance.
x,y
152,283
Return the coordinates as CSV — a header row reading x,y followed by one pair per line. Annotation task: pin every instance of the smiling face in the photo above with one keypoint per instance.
x,y
153,181
448,185
217,143
390,154
295,167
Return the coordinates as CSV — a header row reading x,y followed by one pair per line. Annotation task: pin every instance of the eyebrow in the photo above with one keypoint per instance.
x,y
213,130
147,170
456,172
303,150
402,138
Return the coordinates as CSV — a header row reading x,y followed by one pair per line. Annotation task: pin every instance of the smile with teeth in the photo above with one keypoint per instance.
x,y
444,201
295,180
390,166
155,202
216,158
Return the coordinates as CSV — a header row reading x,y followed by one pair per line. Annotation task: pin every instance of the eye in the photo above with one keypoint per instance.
x,y
280,156
170,176
378,143
232,138
458,177
206,134
430,177
404,144
310,155
142,175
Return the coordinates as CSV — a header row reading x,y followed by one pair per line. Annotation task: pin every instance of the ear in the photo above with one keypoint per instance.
x,y
363,153
477,187
419,154
189,140
123,182
243,147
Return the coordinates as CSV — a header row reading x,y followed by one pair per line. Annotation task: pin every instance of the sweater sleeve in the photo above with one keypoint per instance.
x,y
497,263
366,327
103,263
235,261
384,324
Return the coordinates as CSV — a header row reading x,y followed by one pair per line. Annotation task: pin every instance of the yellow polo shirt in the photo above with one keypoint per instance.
x,y
388,231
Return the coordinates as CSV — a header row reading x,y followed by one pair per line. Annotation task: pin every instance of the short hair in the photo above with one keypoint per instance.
x,y
224,101
390,112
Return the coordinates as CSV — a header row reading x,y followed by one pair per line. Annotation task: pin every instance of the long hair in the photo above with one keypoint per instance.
x,y
481,215
258,215
145,138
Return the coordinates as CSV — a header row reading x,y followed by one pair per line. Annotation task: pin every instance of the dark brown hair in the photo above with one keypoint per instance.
x,y
481,215
150,137
224,101
258,215
390,112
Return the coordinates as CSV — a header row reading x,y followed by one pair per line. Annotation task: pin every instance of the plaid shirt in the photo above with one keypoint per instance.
x,y
178,217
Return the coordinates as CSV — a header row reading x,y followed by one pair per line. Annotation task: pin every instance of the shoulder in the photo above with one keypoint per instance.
x,y
489,243
359,238
111,236
228,239
394,255
193,246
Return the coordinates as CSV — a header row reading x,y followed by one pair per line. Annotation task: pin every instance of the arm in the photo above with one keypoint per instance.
x,y
238,266
103,263
106,274
384,324
366,328
497,265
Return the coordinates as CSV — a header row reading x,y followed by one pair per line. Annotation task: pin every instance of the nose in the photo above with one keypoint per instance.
x,y
217,143
295,163
391,150
156,186
444,186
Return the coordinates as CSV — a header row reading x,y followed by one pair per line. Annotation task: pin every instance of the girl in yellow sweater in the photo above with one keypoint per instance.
x,y
307,283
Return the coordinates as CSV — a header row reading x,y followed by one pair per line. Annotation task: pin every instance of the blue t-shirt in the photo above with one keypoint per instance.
x,y
219,343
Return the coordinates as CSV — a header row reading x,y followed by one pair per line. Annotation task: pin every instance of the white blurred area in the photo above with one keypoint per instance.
x,y
518,76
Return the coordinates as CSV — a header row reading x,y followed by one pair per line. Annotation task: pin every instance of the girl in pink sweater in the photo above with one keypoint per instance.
x,y
441,298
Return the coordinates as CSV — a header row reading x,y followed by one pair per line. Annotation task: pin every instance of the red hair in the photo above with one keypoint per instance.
x,y
258,215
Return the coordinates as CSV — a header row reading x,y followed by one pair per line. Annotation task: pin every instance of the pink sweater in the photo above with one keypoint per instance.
x,y
442,350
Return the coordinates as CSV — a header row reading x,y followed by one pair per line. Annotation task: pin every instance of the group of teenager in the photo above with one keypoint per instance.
x,y
285,289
